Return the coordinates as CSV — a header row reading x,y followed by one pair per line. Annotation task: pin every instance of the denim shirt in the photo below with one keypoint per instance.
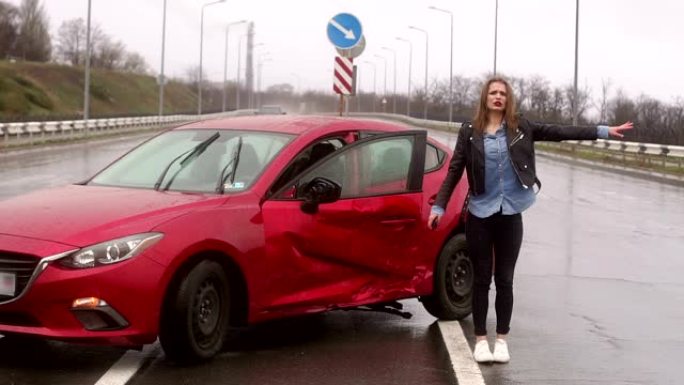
x,y
503,190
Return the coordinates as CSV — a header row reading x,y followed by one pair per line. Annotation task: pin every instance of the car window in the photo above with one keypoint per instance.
x,y
374,168
305,159
433,157
143,167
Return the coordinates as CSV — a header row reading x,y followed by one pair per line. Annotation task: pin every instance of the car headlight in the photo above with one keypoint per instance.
x,y
114,251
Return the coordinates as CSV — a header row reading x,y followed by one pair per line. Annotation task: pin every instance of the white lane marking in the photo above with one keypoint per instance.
x,y
129,364
467,371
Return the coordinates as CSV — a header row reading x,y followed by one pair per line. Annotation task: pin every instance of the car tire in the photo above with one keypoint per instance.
x,y
195,321
453,280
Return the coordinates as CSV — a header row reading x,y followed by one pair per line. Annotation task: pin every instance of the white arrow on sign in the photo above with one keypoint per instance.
x,y
348,33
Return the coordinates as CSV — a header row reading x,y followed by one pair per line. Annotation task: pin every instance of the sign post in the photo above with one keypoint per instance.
x,y
346,34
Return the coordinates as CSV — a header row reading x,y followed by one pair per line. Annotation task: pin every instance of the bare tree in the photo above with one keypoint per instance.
x,y
281,89
192,76
8,28
108,54
601,103
463,95
521,92
623,109
556,106
539,99
650,114
582,101
134,63
33,42
71,41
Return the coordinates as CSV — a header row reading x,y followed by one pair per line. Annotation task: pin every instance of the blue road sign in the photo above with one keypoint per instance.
x,y
344,30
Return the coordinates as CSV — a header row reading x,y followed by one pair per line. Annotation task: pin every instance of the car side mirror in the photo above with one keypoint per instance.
x,y
319,190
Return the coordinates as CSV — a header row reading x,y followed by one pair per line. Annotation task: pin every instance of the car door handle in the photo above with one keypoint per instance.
x,y
398,222
432,199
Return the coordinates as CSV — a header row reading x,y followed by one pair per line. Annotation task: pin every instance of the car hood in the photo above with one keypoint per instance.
x,y
83,215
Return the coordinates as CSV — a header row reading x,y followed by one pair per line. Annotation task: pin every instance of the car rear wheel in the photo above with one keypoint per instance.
x,y
453,280
194,323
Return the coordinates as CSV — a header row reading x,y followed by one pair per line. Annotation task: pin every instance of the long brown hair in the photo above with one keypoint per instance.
x,y
510,115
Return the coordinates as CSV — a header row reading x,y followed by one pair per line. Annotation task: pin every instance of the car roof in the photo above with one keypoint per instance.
x,y
294,124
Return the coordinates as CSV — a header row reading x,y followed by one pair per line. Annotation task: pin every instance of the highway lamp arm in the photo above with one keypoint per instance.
x,y
161,73
451,60
199,82
425,103
394,70
408,98
384,93
225,65
375,68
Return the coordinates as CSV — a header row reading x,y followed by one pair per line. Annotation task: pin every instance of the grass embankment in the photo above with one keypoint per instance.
x,y
39,90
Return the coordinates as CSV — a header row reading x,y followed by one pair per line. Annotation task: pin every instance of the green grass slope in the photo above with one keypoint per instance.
x,y
56,91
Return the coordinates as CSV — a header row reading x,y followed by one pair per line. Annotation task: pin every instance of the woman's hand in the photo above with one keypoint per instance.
x,y
616,131
433,221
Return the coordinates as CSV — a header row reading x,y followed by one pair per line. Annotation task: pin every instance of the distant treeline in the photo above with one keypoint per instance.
x,y
24,35
537,99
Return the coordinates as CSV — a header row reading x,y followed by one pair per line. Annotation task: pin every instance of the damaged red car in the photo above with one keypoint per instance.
x,y
230,222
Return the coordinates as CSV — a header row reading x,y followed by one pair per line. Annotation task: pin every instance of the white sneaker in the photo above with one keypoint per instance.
x,y
501,351
481,353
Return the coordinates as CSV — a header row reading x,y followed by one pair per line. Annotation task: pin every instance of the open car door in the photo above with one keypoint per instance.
x,y
348,229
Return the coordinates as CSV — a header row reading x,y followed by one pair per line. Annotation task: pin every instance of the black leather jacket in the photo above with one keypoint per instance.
x,y
469,154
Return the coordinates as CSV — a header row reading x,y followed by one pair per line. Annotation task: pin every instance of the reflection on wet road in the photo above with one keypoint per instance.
x,y
600,287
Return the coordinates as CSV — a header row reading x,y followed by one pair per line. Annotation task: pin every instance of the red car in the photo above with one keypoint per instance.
x,y
231,222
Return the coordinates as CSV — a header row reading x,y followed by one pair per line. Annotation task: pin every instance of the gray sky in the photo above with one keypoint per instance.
x,y
636,44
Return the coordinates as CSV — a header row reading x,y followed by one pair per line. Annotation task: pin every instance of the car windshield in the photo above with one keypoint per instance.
x,y
209,161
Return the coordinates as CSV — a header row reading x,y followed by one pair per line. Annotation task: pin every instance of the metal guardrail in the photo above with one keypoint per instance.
x,y
633,147
614,145
30,133
635,153
36,132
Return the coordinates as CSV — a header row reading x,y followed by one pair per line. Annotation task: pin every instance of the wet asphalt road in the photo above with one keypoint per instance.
x,y
599,293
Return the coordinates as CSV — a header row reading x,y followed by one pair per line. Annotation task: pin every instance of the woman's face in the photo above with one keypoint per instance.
x,y
496,97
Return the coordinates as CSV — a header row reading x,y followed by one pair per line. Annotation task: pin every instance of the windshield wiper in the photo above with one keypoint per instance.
x,y
189,156
235,161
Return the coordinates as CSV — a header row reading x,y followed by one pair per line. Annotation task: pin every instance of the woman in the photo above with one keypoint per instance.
x,y
497,153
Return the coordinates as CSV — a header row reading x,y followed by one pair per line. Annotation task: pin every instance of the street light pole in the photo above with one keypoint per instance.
x,y
575,108
161,76
451,62
496,31
394,93
86,88
237,81
384,95
260,64
374,83
199,83
225,63
408,99
425,107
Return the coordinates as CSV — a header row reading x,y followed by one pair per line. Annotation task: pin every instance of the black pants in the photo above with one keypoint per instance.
x,y
493,244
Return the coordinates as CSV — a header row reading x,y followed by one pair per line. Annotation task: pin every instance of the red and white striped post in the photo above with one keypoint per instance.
x,y
344,78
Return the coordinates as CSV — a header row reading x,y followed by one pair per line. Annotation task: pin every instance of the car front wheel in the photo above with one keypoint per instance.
x,y
453,280
195,319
